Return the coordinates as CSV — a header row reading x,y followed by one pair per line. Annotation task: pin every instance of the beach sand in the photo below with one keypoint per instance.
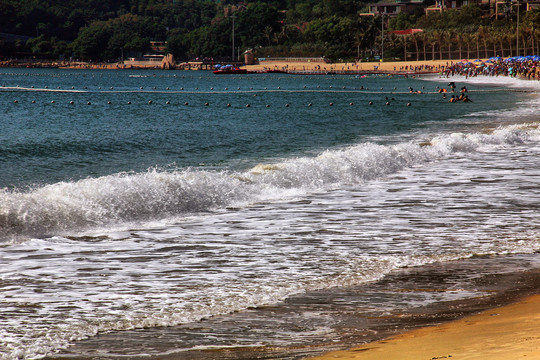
x,y
510,332
389,66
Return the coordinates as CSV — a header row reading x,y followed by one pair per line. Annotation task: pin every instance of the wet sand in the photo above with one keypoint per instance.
x,y
319,322
509,332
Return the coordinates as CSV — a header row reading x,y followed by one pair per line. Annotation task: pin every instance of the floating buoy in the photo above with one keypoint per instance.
x,y
33,101
286,105
387,103
89,103
228,105
129,102
46,87
32,86
16,101
149,102
205,104
108,102
226,88
186,103
310,104
181,88
100,88
73,87
71,102
141,87
167,102
52,102
267,105
112,88
211,88
370,103
247,105
408,104
351,104
167,88
331,104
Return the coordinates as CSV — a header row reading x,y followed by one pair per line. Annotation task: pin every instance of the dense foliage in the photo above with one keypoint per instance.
x,y
100,30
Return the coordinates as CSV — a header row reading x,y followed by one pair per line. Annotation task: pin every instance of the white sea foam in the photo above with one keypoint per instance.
x,y
153,195
365,210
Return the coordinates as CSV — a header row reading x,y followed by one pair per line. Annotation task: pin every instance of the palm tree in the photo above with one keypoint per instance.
x,y
476,37
482,34
459,40
415,38
424,37
467,39
439,37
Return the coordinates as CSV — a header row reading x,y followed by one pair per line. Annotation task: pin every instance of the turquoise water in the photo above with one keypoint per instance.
x,y
45,142
138,199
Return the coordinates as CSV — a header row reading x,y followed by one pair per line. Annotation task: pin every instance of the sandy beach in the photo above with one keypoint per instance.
x,y
389,67
510,332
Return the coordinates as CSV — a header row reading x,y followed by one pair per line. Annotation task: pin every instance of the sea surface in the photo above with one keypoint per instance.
x,y
135,201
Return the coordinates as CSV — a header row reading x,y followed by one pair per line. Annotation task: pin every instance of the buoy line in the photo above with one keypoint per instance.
x,y
228,105
251,91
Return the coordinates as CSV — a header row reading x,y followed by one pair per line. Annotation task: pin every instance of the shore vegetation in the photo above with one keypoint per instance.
x,y
109,31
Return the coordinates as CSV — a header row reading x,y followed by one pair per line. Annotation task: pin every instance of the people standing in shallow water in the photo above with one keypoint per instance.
x,y
463,98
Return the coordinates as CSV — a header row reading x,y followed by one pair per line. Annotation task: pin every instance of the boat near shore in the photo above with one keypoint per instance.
x,y
230,69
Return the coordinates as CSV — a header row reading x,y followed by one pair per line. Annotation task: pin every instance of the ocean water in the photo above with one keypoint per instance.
x,y
151,200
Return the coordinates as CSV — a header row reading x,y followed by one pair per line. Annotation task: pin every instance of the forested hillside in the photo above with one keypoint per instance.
x,y
97,30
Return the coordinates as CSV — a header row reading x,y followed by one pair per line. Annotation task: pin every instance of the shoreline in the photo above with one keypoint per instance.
x,y
501,333
390,67
465,288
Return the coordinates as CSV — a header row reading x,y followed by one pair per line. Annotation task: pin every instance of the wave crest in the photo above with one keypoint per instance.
x,y
155,195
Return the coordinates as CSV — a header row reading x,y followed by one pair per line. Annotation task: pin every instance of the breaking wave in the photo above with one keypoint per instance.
x,y
156,195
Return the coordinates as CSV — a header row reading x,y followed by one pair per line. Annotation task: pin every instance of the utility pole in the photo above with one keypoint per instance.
x,y
233,15
382,35
517,29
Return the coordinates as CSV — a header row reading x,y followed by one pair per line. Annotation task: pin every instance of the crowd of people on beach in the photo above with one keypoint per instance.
x,y
525,67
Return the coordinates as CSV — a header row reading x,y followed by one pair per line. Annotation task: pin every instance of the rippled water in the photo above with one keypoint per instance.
x,y
123,216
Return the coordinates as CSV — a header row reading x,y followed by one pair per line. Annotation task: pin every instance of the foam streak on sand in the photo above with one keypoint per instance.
x,y
510,332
